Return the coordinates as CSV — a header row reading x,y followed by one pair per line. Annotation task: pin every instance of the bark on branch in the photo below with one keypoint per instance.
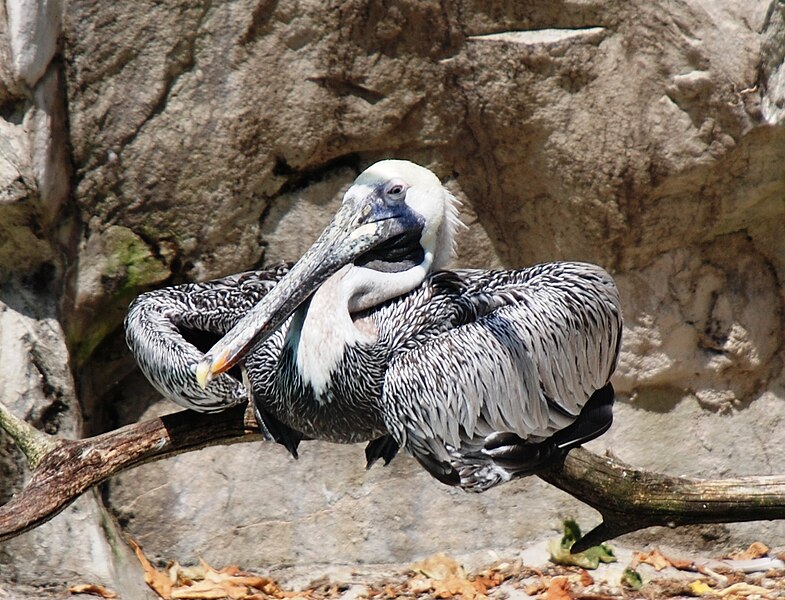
x,y
68,468
628,499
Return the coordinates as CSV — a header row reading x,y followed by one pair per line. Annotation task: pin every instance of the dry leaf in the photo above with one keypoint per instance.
x,y
202,590
203,582
700,588
756,550
452,587
160,582
420,584
447,577
232,570
534,588
654,558
559,589
183,575
682,564
229,582
92,588
496,575
483,583
586,579
439,566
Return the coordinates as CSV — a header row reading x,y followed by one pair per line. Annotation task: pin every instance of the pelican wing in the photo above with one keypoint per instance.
x,y
536,346
168,331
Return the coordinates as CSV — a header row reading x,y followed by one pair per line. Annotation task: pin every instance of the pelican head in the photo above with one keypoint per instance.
x,y
395,225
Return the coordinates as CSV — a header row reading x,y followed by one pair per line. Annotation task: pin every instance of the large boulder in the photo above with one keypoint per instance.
x,y
207,138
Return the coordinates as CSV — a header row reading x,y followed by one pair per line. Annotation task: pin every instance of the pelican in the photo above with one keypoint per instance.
x,y
482,376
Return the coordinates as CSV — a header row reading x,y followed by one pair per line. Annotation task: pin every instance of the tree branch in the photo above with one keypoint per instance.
x,y
70,467
34,444
628,499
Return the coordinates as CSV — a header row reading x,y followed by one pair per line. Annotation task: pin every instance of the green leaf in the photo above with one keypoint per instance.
x,y
631,578
588,559
572,533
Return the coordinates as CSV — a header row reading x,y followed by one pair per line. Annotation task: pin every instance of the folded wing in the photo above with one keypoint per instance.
x,y
540,344
168,331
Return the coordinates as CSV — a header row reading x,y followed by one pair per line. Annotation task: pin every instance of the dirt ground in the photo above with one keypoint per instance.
x,y
603,573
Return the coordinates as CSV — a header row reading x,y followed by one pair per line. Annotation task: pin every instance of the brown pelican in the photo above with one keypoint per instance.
x,y
481,375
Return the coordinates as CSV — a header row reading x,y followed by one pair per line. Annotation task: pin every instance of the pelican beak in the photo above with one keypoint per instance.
x,y
351,234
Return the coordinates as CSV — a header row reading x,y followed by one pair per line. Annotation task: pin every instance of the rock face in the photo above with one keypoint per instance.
x,y
149,143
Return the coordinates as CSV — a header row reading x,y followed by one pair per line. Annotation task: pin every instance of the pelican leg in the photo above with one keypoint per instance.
x,y
249,390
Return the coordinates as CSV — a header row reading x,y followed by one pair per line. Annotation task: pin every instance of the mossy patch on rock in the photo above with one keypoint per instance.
x,y
120,265
130,260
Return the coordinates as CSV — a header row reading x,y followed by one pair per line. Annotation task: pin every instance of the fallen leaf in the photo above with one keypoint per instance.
x,y
745,589
454,586
207,583
231,570
439,566
202,590
495,575
586,579
588,559
182,575
654,558
700,588
420,584
483,583
92,588
535,587
756,550
631,578
159,581
447,578
558,589
683,564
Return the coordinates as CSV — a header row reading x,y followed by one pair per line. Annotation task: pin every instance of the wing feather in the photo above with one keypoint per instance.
x,y
534,347
165,328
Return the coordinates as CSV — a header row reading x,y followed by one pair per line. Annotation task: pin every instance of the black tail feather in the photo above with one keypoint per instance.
x,y
595,419
384,447
524,458
281,433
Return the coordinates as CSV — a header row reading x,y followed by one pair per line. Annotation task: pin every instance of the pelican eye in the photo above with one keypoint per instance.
x,y
395,190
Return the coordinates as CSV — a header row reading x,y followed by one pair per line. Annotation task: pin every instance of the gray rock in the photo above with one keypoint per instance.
x,y
34,29
82,544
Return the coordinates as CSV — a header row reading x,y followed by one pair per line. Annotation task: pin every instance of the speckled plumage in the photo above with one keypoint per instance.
x,y
467,354
482,376
164,327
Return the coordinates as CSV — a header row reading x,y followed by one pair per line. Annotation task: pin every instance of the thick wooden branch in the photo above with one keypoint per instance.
x,y
71,467
629,499
34,444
